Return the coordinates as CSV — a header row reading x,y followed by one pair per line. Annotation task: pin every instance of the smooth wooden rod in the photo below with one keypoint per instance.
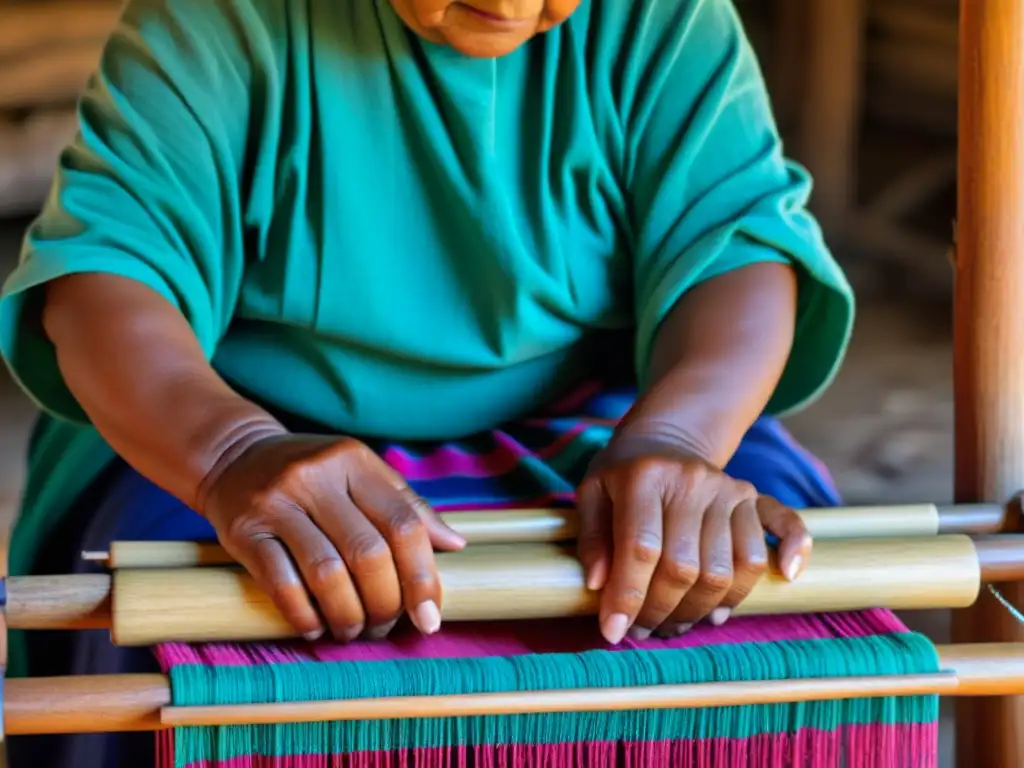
x,y
516,581
542,581
106,703
512,581
554,525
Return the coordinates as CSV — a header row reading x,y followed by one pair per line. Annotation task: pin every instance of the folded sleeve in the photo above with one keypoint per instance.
x,y
711,190
150,189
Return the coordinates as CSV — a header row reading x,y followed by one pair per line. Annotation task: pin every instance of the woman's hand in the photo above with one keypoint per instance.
x,y
671,539
328,529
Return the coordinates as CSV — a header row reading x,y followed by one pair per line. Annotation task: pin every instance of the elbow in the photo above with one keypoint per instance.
x,y
60,308
85,303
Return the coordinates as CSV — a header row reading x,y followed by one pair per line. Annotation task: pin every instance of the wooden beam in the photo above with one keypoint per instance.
x,y
829,118
989,330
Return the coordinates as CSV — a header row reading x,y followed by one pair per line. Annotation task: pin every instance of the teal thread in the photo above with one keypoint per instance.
x,y
897,653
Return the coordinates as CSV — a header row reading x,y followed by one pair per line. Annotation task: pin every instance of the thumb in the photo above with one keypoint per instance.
x,y
595,535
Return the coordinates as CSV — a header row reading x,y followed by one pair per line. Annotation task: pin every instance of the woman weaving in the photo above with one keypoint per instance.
x,y
313,270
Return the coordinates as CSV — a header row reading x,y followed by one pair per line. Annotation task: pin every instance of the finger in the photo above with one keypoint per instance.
x,y
794,538
750,558
381,484
716,571
678,569
593,542
637,544
401,517
368,558
398,516
325,574
267,560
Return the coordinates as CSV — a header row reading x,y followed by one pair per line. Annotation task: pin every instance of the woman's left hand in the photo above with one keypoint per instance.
x,y
671,539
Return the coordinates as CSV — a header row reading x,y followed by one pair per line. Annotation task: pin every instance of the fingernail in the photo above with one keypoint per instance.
x,y
314,635
639,633
347,634
615,628
794,567
458,539
379,633
674,630
719,616
595,579
426,617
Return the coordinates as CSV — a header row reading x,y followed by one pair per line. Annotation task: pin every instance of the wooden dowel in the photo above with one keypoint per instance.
x,y
105,703
84,704
537,581
513,581
553,525
1000,558
79,601
988,319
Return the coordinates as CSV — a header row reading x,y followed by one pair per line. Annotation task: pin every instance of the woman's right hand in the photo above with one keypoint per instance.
x,y
329,530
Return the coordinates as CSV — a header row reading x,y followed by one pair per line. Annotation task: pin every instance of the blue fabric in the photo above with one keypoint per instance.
x,y
129,507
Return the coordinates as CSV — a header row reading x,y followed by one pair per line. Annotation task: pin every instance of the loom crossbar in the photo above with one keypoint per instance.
x,y
107,703
506,582
555,525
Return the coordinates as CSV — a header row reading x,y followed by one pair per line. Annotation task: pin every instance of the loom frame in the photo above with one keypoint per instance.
x,y
988,331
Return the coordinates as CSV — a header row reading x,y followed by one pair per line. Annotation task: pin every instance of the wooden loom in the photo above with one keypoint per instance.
x,y
988,657
517,566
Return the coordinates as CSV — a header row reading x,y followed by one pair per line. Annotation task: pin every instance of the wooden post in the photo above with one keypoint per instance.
x,y
989,330
829,117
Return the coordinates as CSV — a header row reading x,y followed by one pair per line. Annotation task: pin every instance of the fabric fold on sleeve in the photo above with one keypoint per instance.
x,y
712,190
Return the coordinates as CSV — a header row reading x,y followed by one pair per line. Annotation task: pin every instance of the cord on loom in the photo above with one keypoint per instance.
x,y
1006,604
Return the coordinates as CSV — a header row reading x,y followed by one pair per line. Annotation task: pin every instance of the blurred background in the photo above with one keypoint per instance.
x,y
865,95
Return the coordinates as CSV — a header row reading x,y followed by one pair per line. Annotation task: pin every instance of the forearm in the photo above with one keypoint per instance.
x,y
717,359
133,363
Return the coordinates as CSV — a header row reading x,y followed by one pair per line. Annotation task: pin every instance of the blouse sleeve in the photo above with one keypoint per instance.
x,y
149,189
711,190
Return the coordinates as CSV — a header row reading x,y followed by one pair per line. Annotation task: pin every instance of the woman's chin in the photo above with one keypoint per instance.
x,y
489,45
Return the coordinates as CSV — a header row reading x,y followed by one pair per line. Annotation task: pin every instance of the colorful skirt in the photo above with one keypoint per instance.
x,y
536,462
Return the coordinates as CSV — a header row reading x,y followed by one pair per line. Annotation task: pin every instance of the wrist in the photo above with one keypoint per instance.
x,y
698,407
236,430
646,437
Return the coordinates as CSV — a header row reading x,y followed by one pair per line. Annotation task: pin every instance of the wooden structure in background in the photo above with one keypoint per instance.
x,y
48,49
989,328
973,55
835,63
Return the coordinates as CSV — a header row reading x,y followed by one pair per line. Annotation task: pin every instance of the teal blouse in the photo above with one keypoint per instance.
x,y
386,238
